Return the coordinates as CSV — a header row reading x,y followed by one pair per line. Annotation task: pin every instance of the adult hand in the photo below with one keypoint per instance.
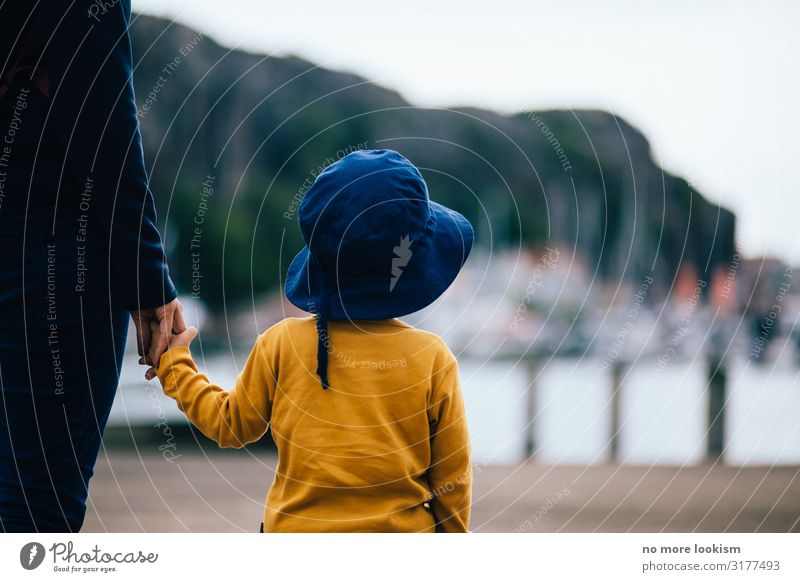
x,y
170,320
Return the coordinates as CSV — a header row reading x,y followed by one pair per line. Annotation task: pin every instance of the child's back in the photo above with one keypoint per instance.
x,y
357,457
384,449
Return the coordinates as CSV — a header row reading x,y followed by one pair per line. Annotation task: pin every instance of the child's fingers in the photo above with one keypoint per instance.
x,y
184,338
150,374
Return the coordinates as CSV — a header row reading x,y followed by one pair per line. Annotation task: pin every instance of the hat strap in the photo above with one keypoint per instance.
x,y
323,339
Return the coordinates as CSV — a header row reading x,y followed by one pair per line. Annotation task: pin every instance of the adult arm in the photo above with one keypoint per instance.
x,y
88,57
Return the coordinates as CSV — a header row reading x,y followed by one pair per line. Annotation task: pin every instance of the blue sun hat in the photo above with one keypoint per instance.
x,y
377,247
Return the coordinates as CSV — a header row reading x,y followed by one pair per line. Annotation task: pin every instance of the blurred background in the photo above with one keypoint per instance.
x,y
626,326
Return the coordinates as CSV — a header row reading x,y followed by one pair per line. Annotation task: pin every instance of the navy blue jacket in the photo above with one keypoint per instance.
x,y
91,121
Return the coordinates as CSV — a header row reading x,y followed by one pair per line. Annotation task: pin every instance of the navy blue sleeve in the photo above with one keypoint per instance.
x,y
89,60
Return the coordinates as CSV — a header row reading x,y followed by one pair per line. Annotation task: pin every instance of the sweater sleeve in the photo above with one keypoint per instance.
x,y
231,419
89,60
450,474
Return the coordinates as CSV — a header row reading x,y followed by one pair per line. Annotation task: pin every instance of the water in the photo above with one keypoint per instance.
x,y
662,412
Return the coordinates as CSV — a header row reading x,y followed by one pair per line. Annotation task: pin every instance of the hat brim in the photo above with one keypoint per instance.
x,y
420,284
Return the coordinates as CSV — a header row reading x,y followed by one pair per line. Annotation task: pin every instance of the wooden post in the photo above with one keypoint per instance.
x,y
617,372
717,380
530,406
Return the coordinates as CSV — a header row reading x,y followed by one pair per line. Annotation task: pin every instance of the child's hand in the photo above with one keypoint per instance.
x,y
176,339
183,339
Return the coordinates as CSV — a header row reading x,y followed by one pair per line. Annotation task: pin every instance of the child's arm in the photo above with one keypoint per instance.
x,y
450,474
231,419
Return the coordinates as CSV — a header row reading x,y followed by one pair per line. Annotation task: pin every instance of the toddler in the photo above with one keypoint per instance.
x,y
366,411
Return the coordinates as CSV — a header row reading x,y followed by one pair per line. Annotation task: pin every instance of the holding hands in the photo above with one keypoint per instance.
x,y
158,329
185,338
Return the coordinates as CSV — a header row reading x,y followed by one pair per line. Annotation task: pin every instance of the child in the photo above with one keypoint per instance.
x,y
366,411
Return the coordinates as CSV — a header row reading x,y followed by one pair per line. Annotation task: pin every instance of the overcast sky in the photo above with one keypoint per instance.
x,y
715,85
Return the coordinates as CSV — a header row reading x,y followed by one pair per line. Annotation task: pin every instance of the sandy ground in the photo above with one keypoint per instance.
x,y
225,491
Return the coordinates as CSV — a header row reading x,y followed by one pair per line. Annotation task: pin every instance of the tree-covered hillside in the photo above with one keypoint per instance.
x,y
233,139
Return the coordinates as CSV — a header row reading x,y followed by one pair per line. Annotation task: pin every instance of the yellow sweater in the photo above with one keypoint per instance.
x,y
385,449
